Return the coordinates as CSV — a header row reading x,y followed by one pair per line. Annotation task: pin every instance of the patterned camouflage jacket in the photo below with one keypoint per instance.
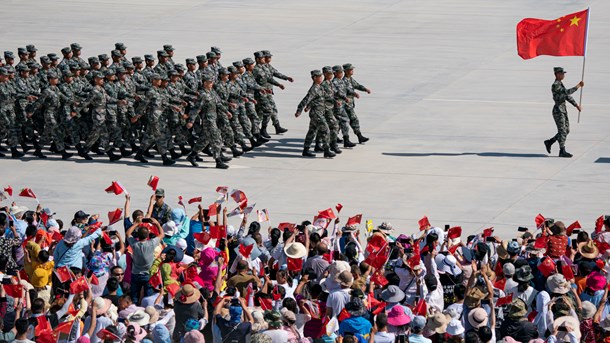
x,y
251,86
97,100
341,91
314,99
50,102
263,77
208,106
353,85
560,95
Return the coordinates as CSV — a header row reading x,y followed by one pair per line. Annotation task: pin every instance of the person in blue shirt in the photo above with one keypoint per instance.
x,y
356,324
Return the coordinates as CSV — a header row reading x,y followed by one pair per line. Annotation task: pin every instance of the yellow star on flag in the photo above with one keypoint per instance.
x,y
574,21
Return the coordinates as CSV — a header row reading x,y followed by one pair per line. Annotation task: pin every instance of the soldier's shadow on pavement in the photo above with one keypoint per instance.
x,y
448,154
278,148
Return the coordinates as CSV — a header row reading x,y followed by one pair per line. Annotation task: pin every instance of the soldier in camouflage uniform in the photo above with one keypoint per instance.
x,y
25,96
23,57
176,96
95,65
149,70
329,115
33,79
9,58
341,97
560,95
352,87
117,60
169,49
97,101
114,97
230,137
69,111
189,95
314,103
156,132
218,53
8,126
76,51
50,102
125,111
240,120
142,86
104,61
274,117
31,52
264,100
207,109
251,87
63,65
212,67
122,48
162,67
202,65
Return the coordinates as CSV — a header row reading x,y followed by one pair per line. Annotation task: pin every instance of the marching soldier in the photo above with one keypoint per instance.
x,y
162,67
149,70
229,136
560,114
251,87
104,61
31,48
76,51
264,99
274,117
67,53
341,97
23,57
169,49
352,87
122,48
117,60
314,103
329,106
239,96
8,126
9,58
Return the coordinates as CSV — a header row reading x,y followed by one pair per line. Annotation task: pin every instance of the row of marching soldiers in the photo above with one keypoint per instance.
x,y
111,106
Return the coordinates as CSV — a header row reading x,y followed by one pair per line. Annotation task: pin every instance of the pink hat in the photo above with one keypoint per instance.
x,y
138,333
398,317
193,336
596,281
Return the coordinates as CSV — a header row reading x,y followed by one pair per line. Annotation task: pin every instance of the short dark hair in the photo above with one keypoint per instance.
x,y
112,284
142,233
43,256
381,320
21,325
459,291
242,265
31,230
485,334
38,305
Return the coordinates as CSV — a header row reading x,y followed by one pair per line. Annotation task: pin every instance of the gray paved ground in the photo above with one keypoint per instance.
x,y
456,118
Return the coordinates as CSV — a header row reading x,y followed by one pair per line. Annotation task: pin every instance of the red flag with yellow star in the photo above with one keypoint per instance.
x,y
565,36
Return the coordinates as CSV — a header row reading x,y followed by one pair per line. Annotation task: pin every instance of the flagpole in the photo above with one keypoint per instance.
x,y
584,60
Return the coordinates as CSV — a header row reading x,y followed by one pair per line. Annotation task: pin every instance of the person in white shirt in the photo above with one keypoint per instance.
x,y
380,332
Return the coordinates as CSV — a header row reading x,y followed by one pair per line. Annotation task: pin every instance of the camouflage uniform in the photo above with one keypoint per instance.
x,y
156,129
23,90
264,100
177,92
560,95
97,100
115,134
329,105
208,107
237,93
314,100
275,73
352,87
247,79
50,102
125,112
341,94
69,125
229,137
8,127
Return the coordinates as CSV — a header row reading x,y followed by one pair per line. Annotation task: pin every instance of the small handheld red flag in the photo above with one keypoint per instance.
x,y
153,181
240,198
574,225
599,224
547,266
172,289
202,237
27,193
180,202
507,300
564,36
79,285
246,250
539,220
115,188
421,309
63,274
339,207
115,216
194,200
327,213
222,189
213,210
218,231
379,279
8,189
95,280
424,224
290,226
454,232
295,264
14,291
355,220
156,280
488,232
567,272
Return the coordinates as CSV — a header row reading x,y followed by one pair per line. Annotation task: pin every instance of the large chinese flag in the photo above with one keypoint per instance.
x,y
563,36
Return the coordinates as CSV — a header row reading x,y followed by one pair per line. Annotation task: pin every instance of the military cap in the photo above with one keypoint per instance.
x,y
348,66
67,74
120,46
337,68
164,77
149,57
84,65
128,65
258,54
162,53
66,50
31,48
201,58
9,54
73,64
557,70
266,53
45,59
248,61
103,57
34,65
327,69
53,56
223,71
120,70
238,64
21,51
190,61
168,47
76,46
3,71
155,76
207,77
22,67
52,75
174,73
179,67
10,69
98,75
210,54
316,72
109,72
136,59
216,50
116,53
232,70
94,60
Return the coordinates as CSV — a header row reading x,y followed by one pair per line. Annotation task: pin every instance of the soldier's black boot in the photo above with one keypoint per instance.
x,y
146,153
564,153
125,152
25,147
549,143
335,148
183,150
261,138
255,143
308,153
2,155
318,148
65,155
279,129
245,148
96,149
220,164
361,138
339,140
225,158
264,133
82,152
207,151
235,151
15,153
38,150
197,158
328,153
167,161
174,155
3,149
140,156
112,156
134,147
53,148
192,158
347,143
